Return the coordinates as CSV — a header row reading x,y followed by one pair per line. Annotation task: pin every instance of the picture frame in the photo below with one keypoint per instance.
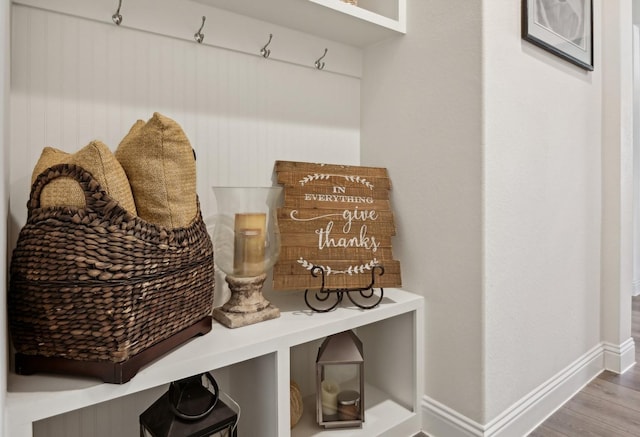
x,y
562,27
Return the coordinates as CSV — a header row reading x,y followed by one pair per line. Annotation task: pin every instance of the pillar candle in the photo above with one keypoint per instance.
x,y
330,391
249,240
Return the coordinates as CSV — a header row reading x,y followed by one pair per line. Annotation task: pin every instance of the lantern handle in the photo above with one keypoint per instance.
x,y
174,391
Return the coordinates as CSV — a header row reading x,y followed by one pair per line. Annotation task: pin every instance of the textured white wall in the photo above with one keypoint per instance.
x,y
636,150
421,102
542,209
617,171
498,160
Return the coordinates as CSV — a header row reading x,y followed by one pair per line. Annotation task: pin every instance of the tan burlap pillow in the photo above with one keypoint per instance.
x,y
97,159
49,157
161,168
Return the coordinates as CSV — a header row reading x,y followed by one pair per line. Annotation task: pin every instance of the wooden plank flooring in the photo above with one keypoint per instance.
x,y
609,406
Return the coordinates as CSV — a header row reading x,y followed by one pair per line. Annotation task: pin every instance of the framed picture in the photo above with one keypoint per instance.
x,y
563,27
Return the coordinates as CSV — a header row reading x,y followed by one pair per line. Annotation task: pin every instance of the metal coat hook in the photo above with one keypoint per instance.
x,y
264,51
117,18
319,62
199,36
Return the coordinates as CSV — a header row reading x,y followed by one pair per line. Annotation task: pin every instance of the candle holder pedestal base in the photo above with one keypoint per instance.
x,y
246,305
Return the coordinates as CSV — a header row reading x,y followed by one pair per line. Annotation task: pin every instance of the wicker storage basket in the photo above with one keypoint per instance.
x,y
97,291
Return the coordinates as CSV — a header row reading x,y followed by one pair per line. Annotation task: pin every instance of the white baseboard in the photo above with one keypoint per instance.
x,y
619,358
438,420
523,416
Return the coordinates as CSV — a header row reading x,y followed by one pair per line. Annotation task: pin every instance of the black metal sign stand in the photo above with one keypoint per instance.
x,y
368,297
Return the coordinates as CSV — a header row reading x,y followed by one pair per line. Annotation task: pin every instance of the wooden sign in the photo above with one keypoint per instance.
x,y
338,218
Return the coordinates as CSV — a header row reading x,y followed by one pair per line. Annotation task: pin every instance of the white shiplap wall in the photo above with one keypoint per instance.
x,y
75,79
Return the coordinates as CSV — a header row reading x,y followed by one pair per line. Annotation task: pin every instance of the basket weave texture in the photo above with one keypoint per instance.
x,y
100,284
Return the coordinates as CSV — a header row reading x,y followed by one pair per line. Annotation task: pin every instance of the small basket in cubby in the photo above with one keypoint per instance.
x,y
97,291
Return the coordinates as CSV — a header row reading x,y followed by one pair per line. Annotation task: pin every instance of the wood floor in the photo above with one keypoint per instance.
x,y
608,407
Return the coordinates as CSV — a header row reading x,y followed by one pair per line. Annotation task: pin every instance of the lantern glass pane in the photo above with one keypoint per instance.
x,y
347,376
340,397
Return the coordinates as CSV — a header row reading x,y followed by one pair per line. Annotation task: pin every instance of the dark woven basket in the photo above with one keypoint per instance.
x,y
100,285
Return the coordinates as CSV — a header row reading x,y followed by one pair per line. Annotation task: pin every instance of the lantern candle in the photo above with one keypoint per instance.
x,y
249,240
330,391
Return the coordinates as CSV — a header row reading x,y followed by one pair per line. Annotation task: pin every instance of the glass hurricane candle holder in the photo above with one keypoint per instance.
x,y
246,244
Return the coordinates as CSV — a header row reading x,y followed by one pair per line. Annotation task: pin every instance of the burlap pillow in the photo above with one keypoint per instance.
x,y
97,159
161,168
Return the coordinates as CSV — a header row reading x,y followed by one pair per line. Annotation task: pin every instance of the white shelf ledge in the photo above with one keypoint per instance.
x,y
228,28
35,397
381,414
330,19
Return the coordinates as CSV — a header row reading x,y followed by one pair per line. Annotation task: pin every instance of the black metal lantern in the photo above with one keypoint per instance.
x,y
190,408
340,382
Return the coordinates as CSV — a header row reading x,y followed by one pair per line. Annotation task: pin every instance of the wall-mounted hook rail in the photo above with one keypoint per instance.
x,y
264,51
199,36
117,18
319,62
